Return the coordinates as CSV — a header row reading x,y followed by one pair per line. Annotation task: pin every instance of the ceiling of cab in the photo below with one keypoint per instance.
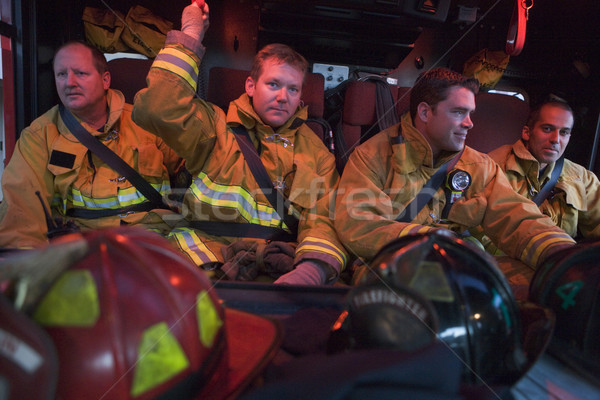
x,y
374,33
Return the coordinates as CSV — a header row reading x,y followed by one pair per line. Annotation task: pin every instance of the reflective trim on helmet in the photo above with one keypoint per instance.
x,y
72,301
190,243
160,357
19,352
209,321
235,198
178,63
431,281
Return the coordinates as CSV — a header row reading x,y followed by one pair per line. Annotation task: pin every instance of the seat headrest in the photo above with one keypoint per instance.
x,y
129,75
498,120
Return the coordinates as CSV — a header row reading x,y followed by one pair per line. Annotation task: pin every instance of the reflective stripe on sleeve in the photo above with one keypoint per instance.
x,y
178,63
190,243
540,243
328,249
412,229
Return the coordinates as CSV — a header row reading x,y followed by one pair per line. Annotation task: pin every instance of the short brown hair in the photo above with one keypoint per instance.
x,y
432,87
282,53
97,56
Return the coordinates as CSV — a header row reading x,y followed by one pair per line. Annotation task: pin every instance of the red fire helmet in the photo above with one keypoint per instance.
x,y
134,319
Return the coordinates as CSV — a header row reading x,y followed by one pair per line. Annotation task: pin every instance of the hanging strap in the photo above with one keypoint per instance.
x,y
515,38
427,192
112,159
547,188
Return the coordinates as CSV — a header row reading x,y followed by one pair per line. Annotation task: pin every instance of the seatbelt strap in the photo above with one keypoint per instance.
x,y
547,188
108,212
257,168
243,229
110,158
428,190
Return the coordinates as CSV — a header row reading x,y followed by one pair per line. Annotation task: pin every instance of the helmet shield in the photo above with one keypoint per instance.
x,y
478,316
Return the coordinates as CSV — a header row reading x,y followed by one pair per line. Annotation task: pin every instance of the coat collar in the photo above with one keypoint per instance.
x,y
116,103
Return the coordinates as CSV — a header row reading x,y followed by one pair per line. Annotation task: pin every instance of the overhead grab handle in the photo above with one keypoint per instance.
x,y
515,39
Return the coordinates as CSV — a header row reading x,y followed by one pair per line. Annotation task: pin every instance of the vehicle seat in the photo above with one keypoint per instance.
x,y
129,75
498,120
227,84
359,115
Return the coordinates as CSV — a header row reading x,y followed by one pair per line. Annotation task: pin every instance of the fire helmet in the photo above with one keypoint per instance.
x,y
456,294
569,284
134,319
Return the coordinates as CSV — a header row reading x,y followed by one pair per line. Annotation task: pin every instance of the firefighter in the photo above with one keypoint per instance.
x,y
232,222
375,202
572,198
72,181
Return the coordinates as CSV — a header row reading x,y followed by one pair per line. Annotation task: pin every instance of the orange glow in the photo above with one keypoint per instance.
x,y
439,249
175,280
121,238
338,324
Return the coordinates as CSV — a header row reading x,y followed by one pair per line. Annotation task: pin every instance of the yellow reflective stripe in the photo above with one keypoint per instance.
x,y
125,197
160,357
209,321
411,229
236,198
313,244
540,242
72,301
190,243
177,62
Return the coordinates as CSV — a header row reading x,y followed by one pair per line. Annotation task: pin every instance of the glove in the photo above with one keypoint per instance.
x,y
194,21
306,273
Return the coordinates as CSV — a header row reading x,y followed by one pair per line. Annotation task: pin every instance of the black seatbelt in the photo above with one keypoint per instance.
x,y
113,160
429,189
547,188
274,196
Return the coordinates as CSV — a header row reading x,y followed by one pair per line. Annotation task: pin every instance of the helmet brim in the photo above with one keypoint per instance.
x,y
252,342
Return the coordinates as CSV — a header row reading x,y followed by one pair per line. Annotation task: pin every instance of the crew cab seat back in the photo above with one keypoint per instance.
x,y
227,84
498,120
359,115
129,75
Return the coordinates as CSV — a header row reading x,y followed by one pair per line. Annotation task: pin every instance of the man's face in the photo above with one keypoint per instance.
x,y
80,86
550,135
276,93
446,124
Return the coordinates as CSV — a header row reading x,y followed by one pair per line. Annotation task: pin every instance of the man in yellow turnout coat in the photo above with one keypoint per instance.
x,y
572,200
72,181
387,172
224,190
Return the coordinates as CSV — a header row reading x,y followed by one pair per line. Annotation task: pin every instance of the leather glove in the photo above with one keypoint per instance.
x,y
305,273
194,21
